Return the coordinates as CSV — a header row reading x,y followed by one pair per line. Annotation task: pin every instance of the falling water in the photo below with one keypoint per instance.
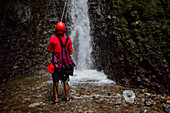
x,y
80,35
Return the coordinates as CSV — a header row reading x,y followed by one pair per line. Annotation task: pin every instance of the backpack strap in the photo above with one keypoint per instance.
x,y
62,45
66,42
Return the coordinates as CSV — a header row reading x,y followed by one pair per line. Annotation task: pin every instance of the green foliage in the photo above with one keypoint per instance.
x,y
143,29
144,22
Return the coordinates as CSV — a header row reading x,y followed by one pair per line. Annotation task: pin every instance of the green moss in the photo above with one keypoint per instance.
x,y
143,29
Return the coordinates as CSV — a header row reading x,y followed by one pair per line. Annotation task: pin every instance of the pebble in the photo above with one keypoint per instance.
x,y
41,103
167,110
108,93
77,94
86,108
110,107
33,105
168,101
118,101
39,109
145,111
101,100
80,110
141,95
166,105
117,106
148,94
113,100
45,32
93,94
148,103
143,100
125,105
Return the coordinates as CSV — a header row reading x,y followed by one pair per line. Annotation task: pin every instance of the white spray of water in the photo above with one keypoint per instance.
x,y
80,35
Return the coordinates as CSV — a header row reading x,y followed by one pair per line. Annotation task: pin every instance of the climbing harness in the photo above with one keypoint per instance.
x,y
63,10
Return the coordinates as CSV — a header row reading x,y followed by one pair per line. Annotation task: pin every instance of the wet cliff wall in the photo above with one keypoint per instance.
x,y
131,42
130,39
25,29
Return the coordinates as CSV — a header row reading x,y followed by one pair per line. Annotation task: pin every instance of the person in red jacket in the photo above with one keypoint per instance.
x,y
55,47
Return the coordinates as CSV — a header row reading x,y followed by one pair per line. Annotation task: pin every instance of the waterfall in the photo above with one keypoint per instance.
x,y
81,34
82,45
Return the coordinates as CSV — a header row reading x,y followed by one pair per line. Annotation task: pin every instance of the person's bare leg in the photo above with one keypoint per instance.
x,y
66,88
55,91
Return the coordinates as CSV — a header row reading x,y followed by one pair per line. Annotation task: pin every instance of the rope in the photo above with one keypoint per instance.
x,y
63,10
63,16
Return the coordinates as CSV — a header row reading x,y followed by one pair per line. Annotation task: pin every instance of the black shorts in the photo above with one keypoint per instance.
x,y
59,76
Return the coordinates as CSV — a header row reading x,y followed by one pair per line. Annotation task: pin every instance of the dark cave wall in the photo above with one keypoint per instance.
x,y
26,27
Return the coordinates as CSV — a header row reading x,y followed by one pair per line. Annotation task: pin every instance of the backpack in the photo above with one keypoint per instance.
x,y
63,63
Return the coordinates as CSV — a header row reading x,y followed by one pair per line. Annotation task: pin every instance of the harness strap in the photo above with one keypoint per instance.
x,y
62,45
66,42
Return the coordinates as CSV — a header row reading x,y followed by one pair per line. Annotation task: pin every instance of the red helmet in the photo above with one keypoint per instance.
x,y
60,28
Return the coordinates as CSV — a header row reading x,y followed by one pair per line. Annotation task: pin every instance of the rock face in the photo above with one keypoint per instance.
x,y
131,42
130,39
26,27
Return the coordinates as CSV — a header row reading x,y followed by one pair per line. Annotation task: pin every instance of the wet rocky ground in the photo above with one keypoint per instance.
x,y
34,94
